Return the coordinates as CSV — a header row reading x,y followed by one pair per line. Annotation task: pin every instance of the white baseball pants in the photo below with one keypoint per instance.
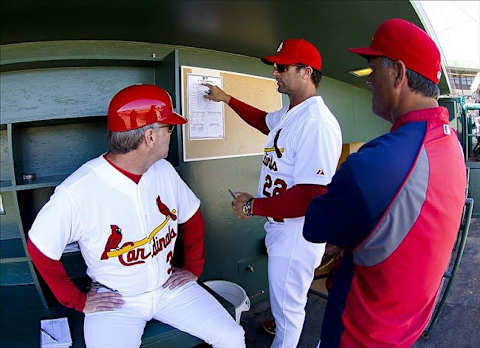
x,y
291,264
189,308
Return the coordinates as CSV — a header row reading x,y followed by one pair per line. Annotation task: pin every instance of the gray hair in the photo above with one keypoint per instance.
x,y
417,82
126,141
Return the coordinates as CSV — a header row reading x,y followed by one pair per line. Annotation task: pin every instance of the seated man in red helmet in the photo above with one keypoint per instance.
x,y
124,209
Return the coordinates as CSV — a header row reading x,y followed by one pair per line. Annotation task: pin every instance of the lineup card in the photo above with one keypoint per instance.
x,y
206,119
55,333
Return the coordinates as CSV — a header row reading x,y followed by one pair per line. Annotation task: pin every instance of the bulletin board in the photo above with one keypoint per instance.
x,y
240,139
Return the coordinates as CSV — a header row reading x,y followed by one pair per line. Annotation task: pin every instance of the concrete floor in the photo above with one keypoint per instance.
x,y
457,327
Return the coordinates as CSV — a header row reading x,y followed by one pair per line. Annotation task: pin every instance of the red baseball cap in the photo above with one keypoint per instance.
x,y
398,39
293,51
139,105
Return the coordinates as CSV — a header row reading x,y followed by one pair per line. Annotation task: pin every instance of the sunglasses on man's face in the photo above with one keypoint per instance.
x,y
280,67
284,67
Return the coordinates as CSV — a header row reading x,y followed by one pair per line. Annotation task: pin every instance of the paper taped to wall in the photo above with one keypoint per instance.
x,y
206,118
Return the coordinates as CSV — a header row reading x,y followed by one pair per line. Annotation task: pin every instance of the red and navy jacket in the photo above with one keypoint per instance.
x,y
395,205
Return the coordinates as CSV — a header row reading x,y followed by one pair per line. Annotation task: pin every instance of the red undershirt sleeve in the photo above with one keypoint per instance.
x,y
288,204
253,116
57,279
193,243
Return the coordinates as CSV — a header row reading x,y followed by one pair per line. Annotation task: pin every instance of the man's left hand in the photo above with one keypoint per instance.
x,y
179,277
237,204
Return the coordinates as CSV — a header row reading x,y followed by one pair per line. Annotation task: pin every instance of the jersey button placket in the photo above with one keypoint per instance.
x,y
151,267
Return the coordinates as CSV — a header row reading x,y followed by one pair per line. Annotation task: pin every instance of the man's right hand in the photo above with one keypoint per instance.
x,y
216,93
102,301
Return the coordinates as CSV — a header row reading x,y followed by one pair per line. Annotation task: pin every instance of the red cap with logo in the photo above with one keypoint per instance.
x,y
398,39
139,105
293,51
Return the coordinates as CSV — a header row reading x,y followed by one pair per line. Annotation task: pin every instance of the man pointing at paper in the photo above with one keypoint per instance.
x,y
303,147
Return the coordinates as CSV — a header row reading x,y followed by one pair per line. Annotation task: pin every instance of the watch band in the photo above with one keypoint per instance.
x,y
247,208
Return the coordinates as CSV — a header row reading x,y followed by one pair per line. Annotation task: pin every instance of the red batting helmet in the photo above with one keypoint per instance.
x,y
139,105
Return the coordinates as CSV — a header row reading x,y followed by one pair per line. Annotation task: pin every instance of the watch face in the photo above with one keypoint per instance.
x,y
247,208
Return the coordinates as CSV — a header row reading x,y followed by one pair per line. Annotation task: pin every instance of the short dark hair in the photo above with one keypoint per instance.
x,y
417,82
316,74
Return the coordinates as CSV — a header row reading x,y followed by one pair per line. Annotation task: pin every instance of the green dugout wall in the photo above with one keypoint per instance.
x,y
60,63
54,98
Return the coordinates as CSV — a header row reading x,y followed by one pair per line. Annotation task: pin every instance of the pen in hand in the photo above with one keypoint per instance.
x,y
232,194
48,334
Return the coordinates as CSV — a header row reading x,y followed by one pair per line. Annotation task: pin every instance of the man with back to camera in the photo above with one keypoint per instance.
x,y
303,147
395,205
124,209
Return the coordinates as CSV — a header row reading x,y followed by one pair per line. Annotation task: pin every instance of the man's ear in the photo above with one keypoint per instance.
x,y
308,73
400,73
148,136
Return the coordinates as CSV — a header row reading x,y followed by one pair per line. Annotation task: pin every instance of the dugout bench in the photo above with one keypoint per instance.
x,y
21,312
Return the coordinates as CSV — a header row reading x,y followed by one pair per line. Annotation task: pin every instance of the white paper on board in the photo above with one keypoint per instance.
x,y
206,119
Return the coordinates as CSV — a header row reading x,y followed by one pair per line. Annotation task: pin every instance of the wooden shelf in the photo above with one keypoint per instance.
x,y
30,201
12,248
6,186
46,181
50,151
11,242
15,259
5,160
15,273
20,313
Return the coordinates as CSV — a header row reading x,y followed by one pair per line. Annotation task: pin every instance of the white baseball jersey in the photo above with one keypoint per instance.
x,y
126,231
303,147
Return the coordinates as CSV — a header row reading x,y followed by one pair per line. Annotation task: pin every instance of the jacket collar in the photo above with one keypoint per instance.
x,y
438,114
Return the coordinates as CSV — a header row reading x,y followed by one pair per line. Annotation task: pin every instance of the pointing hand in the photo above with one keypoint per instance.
x,y
216,93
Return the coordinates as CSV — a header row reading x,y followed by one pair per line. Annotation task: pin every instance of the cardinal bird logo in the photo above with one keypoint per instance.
x,y
165,210
113,240
278,152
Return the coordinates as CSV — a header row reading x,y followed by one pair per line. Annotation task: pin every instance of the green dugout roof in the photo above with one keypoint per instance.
x,y
251,28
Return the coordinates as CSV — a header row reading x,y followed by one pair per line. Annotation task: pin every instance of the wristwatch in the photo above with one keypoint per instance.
x,y
247,208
